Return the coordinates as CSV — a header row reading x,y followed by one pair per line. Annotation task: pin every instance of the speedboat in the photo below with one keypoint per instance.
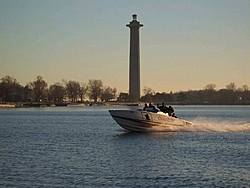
x,y
141,120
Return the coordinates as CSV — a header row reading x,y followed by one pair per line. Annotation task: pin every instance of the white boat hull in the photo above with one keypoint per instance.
x,y
136,120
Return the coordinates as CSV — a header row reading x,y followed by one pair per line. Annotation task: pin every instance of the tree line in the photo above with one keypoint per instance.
x,y
74,91
39,91
208,95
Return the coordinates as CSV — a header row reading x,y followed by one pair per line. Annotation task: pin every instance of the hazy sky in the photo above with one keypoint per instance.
x,y
185,44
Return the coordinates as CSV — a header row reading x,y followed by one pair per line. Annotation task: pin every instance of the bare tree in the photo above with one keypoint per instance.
x,y
83,91
244,93
57,92
72,89
108,94
10,89
207,95
27,92
245,88
231,86
148,91
210,87
95,89
148,94
39,89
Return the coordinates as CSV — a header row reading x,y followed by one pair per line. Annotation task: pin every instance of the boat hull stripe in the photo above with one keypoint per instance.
x,y
138,121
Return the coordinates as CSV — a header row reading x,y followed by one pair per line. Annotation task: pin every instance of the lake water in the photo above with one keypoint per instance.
x,y
84,147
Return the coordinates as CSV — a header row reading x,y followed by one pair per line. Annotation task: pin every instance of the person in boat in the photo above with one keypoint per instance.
x,y
150,108
145,107
163,108
171,112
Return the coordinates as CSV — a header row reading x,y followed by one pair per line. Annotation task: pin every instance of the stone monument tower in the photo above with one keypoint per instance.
x,y
134,60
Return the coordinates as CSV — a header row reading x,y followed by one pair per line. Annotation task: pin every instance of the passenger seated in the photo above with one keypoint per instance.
x,y
171,112
145,107
163,108
150,108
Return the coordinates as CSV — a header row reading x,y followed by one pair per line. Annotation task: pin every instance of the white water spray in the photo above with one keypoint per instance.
x,y
203,124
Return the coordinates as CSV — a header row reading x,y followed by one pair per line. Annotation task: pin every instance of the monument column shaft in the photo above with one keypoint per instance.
x,y
134,60
134,65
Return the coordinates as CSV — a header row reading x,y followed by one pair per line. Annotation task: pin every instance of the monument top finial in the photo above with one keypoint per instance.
x,y
134,24
134,16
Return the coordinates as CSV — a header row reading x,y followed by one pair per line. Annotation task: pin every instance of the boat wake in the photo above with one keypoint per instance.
x,y
203,124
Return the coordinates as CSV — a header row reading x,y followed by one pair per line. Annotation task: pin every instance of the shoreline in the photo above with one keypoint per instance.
x,y
30,105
